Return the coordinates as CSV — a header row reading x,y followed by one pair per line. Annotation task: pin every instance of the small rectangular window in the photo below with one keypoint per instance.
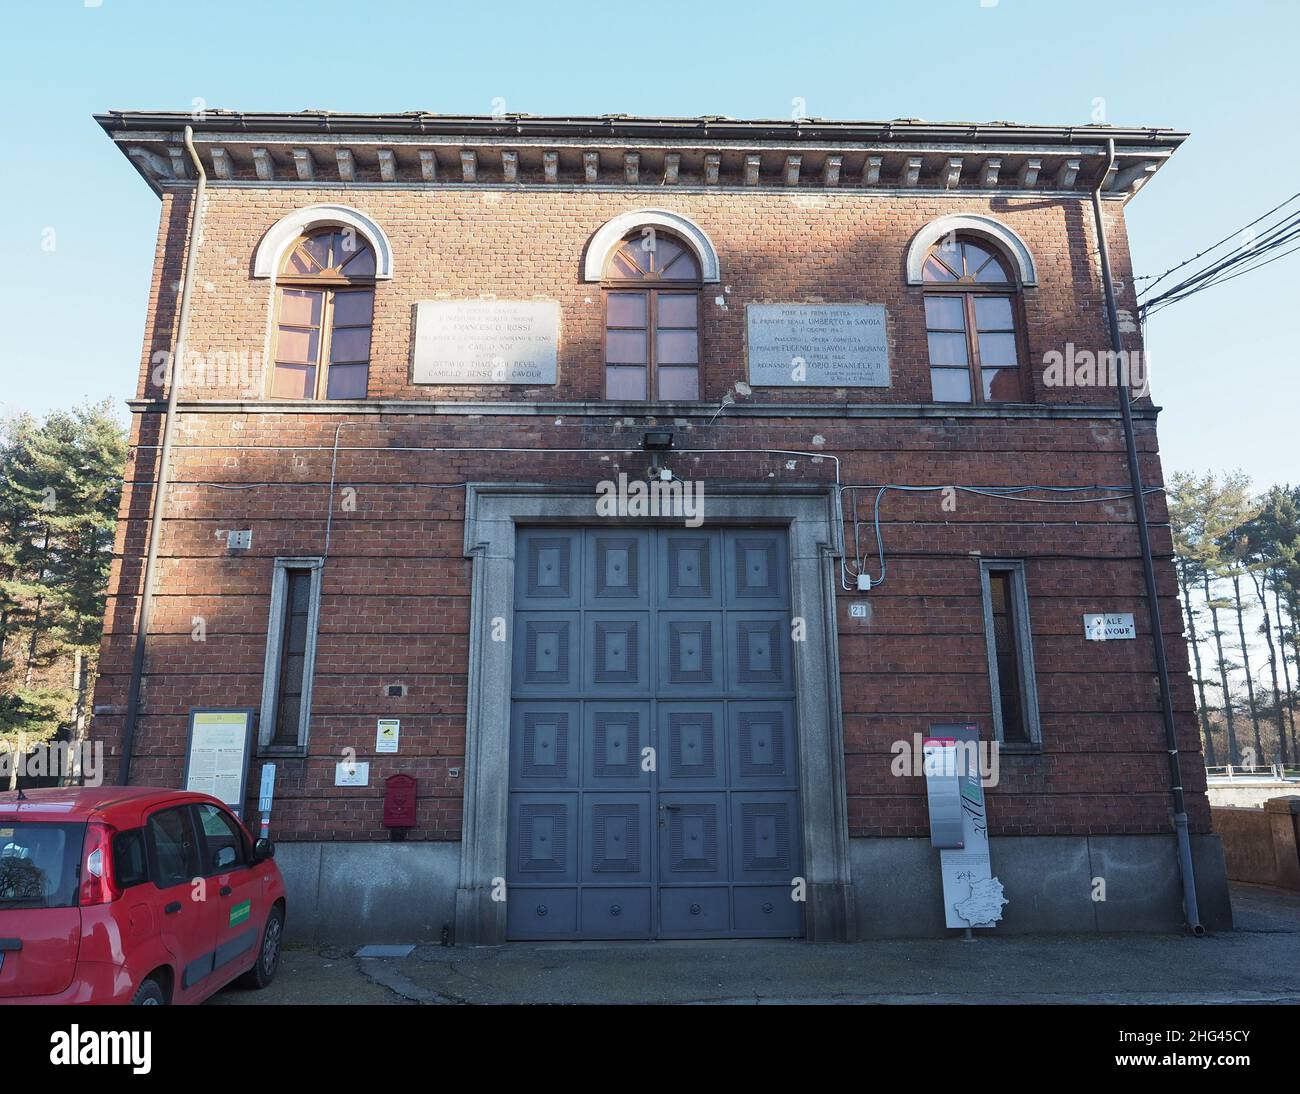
x,y
1010,653
130,861
290,655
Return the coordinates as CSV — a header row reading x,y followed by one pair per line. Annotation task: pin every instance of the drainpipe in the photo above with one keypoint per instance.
x,y
162,480
1148,569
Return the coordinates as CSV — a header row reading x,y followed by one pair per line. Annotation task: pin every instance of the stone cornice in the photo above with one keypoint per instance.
x,y
640,411
317,148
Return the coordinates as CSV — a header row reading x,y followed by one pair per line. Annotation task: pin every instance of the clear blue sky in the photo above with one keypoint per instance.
x,y
1224,364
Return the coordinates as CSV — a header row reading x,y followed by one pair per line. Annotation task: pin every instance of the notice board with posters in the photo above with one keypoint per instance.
x,y
217,749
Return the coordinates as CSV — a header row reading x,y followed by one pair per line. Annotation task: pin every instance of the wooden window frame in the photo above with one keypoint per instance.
x,y
652,288
1023,637
969,290
275,635
329,288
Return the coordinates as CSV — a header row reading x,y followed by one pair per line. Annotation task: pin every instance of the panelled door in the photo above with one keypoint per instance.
x,y
653,754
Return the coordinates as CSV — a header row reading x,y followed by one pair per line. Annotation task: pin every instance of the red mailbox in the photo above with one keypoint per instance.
x,y
399,805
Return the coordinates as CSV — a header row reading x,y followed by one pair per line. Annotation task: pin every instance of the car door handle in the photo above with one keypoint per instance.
x,y
10,945
224,890
172,908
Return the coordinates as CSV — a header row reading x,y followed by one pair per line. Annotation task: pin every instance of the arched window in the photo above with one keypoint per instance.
x,y
970,322
325,300
651,286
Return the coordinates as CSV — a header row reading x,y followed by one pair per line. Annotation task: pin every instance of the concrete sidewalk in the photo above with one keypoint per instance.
x,y
1258,963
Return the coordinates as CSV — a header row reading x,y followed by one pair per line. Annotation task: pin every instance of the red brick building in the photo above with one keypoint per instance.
x,y
415,348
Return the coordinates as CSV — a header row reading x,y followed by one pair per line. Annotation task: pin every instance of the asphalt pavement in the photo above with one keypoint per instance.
x,y
1258,962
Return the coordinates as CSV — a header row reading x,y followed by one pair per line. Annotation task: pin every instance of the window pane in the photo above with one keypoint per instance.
x,y
993,272
679,384
997,349
678,309
361,264
300,308
1006,643
347,382
1001,385
945,313
947,349
975,256
937,271
353,309
319,248
625,309
676,347
950,385
683,267
177,854
627,261
224,844
350,344
294,382
625,347
662,250
298,344
625,383
993,313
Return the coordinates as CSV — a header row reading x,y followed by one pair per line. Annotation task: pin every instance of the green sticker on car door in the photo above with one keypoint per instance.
x,y
240,912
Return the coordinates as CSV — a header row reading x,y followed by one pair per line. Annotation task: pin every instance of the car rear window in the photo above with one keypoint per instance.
x,y
38,864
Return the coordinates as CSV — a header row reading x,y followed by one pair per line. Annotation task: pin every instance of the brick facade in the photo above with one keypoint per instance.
x,y
396,585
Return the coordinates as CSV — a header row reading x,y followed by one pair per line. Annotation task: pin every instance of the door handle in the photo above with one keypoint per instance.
x,y
172,908
224,890
665,805
10,945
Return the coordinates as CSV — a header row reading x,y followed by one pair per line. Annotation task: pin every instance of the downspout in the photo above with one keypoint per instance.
x,y
1148,568
161,479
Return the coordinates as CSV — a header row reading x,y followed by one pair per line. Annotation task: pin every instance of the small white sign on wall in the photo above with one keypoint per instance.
x,y
351,774
387,733
1108,626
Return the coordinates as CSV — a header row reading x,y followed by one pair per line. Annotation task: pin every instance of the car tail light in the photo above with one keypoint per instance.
x,y
97,884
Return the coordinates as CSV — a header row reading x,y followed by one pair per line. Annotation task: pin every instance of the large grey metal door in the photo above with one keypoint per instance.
x,y
653,780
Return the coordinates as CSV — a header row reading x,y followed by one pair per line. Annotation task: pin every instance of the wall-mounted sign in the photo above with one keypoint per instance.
x,y
216,755
486,341
858,610
817,345
387,733
1109,626
351,774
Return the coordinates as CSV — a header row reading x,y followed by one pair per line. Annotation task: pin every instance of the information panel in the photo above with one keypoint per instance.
x,y
216,755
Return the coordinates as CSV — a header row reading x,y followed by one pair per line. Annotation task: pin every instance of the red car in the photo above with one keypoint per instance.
x,y
130,894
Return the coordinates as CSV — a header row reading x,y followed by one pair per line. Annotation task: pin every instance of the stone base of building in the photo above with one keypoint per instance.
x,y
350,893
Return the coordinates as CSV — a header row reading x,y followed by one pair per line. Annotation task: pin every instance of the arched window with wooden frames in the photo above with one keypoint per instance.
x,y
325,301
651,288
971,308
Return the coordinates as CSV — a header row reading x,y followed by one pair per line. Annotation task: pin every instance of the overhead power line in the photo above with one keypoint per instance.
x,y
1273,243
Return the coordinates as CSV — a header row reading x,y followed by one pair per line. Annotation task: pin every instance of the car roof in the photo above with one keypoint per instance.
x,y
120,805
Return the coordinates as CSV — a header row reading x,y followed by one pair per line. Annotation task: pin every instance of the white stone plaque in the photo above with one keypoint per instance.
x,y
817,345
486,341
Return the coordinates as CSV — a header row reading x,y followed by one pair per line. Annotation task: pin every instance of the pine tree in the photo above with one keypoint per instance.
x,y
60,483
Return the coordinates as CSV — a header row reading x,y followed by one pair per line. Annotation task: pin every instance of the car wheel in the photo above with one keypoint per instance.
x,y
149,994
268,954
